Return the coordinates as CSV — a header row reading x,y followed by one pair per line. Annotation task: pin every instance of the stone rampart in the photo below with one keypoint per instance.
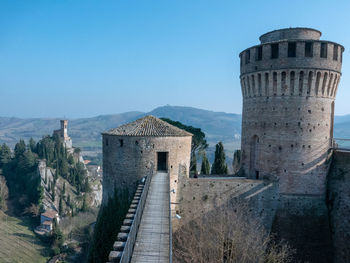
x,y
197,197
339,205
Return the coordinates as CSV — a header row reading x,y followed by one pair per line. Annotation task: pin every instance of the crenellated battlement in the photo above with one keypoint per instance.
x,y
292,53
291,82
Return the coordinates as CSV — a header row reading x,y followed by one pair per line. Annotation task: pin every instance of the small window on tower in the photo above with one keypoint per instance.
x,y
323,52
258,53
292,49
308,49
106,141
247,56
335,52
341,56
121,142
274,50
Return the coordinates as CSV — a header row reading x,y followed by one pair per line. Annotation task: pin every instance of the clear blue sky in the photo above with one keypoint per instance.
x,y
85,58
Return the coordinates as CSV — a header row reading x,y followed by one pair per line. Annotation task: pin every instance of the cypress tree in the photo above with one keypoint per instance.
x,y
78,189
205,168
108,223
60,206
236,163
68,201
32,145
64,188
87,185
20,148
5,155
85,206
53,191
45,180
193,166
219,165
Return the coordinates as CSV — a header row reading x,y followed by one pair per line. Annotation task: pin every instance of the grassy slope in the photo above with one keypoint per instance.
x,y
18,243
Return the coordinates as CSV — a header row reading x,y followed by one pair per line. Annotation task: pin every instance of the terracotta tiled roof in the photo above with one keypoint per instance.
x,y
47,223
148,126
50,214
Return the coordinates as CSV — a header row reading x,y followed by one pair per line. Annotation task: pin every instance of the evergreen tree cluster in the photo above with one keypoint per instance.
x,y
219,166
20,171
108,223
57,157
199,143
5,155
57,239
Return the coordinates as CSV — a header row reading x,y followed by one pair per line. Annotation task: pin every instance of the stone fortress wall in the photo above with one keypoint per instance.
x,y
289,83
338,197
198,197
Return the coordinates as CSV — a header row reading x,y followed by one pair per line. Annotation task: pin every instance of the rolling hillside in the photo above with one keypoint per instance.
x,y
86,132
18,243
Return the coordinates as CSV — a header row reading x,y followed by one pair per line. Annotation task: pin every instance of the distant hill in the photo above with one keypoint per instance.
x,y
86,132
219,126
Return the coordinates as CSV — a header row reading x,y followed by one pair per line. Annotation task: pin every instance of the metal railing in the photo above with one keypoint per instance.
x,y
130,242
170,226
341,144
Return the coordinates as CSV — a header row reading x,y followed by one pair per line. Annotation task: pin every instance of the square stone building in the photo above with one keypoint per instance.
x,y
132,150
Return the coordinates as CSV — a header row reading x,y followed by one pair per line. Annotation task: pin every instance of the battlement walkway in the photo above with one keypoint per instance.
x,y
153,237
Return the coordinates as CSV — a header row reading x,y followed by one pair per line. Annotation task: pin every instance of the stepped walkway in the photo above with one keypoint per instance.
x,y
153,237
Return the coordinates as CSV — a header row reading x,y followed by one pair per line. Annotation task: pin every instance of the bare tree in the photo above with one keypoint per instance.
x,y
226,235
4,193
33,210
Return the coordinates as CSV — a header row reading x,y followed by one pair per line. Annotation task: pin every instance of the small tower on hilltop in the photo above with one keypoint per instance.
x,y
64,129
289,83
63,134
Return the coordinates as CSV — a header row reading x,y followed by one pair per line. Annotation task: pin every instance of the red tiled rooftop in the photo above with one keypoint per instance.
x,y
50,214
148,126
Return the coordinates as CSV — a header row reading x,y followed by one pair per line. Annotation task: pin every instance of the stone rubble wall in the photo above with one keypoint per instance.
x,y
126,165
339,205
199,196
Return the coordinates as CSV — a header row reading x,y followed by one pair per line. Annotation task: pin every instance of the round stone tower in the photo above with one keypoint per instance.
x,y
289,83
132,150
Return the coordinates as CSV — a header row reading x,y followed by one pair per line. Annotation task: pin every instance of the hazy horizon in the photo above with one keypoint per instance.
x,y
115,113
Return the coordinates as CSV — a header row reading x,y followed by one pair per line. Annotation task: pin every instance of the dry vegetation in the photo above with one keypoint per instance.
x,y
228,234
4,193
18,242
75,227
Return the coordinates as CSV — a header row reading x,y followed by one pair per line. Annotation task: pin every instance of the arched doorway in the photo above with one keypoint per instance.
x,y
254,157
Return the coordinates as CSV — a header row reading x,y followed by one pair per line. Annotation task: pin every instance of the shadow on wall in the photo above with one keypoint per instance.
x,y
339,205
